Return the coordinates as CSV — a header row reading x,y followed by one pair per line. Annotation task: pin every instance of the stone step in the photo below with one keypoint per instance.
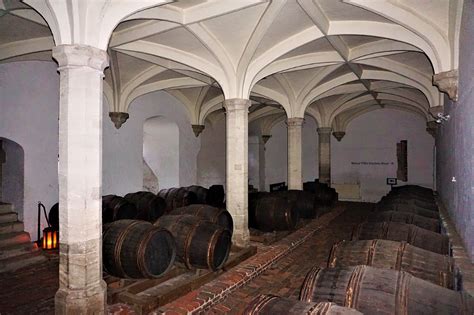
x,y
8,217
8,239
17,250
10,227
6,207
13,263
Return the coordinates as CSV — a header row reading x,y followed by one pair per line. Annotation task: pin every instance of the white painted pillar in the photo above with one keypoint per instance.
x,y
81,288
237,167
325,155
263,162
295,156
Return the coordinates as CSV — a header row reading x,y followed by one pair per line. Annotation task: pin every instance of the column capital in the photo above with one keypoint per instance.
x,y
324,130
118,118
265,138
294,122
432,128
234,104
197,129
80,56
447,82
339,135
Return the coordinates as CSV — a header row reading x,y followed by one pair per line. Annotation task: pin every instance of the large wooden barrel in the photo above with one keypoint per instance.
x,y
274,305
433,267
409,233
215,215
149,206
177,198
216,195
408,209
199,243
303,201
200,192
412,202
413,189
137,249
117,208
273,214
382,291
404,217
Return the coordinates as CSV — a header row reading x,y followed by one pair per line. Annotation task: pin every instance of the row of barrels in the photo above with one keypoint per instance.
x,y
281,210
325,195
144,205
196,237
387,268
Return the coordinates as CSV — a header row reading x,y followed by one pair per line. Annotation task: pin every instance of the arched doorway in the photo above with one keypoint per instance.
x,y
12,173
160,154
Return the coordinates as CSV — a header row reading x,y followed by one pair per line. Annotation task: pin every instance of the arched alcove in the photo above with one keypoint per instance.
x,y
12,174
160,153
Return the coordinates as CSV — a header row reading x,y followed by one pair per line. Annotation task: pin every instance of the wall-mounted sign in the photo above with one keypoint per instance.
x,y
391,181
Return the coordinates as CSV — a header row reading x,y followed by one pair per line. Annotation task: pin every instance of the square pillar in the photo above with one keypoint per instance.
x,y
325,155
295,155
81,288
237,167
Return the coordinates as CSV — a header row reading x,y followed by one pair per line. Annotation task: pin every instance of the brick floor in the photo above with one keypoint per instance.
x,y
30,290
286,276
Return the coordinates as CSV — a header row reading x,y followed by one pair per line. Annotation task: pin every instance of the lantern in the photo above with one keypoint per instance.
x,y
50,238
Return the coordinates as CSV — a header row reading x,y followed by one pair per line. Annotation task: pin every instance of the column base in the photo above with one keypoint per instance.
x,y
241,239
89,301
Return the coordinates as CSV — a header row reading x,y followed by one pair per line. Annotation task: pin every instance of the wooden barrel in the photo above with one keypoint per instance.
x,y
407,209
303,201
409,233
199,243
325,196
200,192
404,217
274,214
433,267
53,216
137,249
117,208
274,305
413,189
149,206
177,198
216,196
382,291
410,202
215,215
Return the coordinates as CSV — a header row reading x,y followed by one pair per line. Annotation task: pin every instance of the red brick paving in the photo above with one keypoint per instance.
x,y
30,290
286,276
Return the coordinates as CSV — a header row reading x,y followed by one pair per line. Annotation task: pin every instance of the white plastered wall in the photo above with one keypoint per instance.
x,y
29,105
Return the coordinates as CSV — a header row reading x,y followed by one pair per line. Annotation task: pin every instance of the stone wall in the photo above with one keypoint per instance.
x,y
455,141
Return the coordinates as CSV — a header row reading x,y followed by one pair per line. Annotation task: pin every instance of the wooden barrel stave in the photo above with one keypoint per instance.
x,y
382,291
405,217
303,201
200,192
215,215
149,206
274,214
199,243
117,208
409,233
137,249
407,209
274,305
433,267
177,198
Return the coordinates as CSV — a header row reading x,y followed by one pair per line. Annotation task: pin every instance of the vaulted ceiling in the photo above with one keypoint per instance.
x,y
331,59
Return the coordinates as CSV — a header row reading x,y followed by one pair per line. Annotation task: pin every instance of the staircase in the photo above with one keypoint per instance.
x,y
16,248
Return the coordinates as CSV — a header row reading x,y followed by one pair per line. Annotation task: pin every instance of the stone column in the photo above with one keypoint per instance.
x,y
325,155
295,159
263,163
237,167
81,288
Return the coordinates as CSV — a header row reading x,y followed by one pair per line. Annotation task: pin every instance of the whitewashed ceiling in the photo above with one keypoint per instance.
x,y
331,59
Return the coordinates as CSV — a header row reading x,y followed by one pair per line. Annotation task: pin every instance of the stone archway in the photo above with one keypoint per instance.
x,y
12,174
